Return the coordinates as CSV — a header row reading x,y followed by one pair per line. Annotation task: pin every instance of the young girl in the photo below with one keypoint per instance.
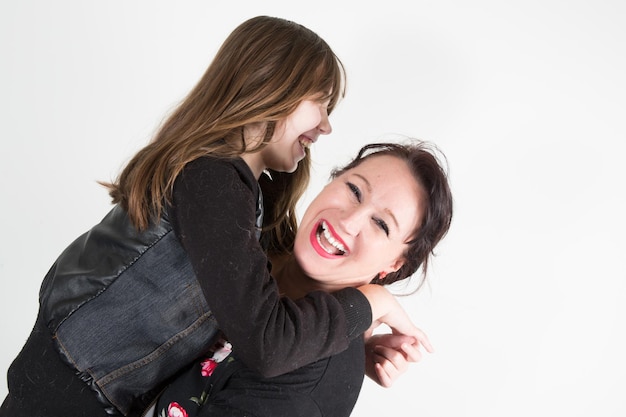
x,y
378,220
137,297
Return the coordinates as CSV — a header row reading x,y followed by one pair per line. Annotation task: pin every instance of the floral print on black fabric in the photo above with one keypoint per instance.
x,y
207,367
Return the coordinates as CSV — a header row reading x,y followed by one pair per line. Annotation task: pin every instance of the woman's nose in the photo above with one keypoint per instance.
x,y
352,220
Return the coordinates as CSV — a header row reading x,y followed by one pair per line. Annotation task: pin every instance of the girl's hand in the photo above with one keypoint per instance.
x,y
387,310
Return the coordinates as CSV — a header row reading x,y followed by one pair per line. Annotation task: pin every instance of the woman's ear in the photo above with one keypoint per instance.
x,y
397,264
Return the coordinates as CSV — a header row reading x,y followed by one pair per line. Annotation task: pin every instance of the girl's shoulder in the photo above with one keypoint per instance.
x,y
221,165
214,173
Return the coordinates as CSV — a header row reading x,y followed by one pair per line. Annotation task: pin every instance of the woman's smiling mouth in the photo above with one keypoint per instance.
x,y
326,242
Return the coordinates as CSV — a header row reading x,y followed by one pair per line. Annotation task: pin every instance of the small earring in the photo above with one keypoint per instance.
x,y
382,275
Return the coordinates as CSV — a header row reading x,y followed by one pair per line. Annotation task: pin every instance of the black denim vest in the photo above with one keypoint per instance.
x,y
126,310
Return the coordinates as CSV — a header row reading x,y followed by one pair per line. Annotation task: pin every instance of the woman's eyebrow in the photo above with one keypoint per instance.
x,y
367,183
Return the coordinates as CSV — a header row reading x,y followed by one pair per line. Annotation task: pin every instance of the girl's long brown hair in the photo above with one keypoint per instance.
x,y
262,71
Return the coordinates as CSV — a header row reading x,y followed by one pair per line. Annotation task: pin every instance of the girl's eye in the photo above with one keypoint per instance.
x,y
355,190
381,223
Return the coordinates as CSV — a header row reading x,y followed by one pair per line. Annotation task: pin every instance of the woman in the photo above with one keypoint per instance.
x,y
377,221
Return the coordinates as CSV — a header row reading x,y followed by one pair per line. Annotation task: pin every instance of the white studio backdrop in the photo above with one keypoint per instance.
x,y
526,304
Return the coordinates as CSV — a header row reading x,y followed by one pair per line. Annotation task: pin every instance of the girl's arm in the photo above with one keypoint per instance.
x,y
387,310
213,214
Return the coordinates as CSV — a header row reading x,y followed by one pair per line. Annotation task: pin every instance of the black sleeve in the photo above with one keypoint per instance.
x,y
213,215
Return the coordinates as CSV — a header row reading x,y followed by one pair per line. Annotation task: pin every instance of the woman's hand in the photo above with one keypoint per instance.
x,y
387,356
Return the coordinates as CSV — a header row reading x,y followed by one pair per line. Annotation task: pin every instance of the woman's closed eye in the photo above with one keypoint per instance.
x,y
382,224
355,190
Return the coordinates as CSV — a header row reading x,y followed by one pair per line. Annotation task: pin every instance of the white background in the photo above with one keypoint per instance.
x,y
527,99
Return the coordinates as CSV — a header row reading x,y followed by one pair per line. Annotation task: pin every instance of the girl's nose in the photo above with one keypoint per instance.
x,y
325,127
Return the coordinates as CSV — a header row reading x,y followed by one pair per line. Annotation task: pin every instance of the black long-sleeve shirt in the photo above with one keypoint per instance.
x,y
327,388
213,216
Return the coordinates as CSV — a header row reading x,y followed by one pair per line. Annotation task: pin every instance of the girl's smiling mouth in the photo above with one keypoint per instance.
x,y
305,142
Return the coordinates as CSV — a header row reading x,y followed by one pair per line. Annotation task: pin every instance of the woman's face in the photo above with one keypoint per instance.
x,y
359,224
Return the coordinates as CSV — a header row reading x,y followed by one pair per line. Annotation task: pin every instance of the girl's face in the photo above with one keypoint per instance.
x,y
359,224
296,132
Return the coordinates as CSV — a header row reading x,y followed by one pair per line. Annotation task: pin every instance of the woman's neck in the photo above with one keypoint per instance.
x,y
291,280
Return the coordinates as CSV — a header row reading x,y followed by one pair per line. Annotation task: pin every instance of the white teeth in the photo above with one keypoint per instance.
x,y
305,143
337,245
